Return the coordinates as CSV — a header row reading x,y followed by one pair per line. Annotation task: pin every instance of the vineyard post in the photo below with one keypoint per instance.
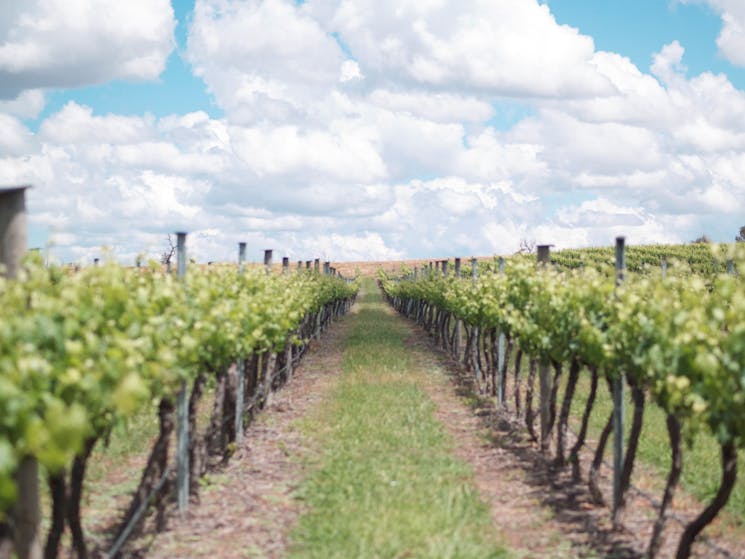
x,y
268,260
458,342
326,268
299,265
475,329
96,261
317,264
501,343
445,268
285,265
182,477
307,264
241,366
618,403
13,244
544,368
241,256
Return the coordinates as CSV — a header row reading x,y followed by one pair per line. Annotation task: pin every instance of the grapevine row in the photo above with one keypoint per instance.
x,y
678,341
81,353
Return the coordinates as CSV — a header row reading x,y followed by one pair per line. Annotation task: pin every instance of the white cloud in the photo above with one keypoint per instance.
x,y
731,40
356,129
71,43
511,47
28,104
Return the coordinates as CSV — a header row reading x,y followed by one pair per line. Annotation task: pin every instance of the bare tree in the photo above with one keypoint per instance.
x,y
167,255
702,239
526,246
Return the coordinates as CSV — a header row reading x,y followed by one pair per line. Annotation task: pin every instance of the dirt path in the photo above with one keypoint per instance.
x,y
247,509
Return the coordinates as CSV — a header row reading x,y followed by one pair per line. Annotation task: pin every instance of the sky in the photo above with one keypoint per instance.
x,y
372,129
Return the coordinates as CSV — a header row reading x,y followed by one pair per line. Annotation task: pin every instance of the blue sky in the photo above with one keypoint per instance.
x,y
381,130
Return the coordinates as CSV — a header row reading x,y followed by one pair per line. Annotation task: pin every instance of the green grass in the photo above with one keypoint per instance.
x,y
387,484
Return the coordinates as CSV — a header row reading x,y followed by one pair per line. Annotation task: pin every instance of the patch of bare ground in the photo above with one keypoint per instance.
x,y
539,511
247,508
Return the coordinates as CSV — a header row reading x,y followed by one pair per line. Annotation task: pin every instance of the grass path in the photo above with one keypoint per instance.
x,y
387,483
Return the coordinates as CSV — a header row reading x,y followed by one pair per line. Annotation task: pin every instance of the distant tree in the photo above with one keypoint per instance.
x,y
526,246
702,239
741,235
167,255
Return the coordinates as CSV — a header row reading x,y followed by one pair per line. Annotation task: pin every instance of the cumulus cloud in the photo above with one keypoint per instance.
x,y
731,40
71,43
356,130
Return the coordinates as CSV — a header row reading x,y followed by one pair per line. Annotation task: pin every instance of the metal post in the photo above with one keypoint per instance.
x,y
475,329
26,512
241,256
268,260
618,402
501,343
241,367
182,481
285,265
544,369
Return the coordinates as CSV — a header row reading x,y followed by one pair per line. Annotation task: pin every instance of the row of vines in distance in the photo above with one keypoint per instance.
x,y
83,352
677,339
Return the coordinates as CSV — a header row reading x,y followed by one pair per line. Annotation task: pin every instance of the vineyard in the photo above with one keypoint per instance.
x,y
563,346
674,338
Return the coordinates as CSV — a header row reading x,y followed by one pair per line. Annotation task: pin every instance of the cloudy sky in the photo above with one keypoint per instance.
x,y
372,129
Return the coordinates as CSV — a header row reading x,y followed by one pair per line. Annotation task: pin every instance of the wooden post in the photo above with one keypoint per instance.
x,y
13,229
544,369
26,513
96,261
241,256
285,265
445,268
182,446
308,264
326,268
317,265
268,260
618,403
